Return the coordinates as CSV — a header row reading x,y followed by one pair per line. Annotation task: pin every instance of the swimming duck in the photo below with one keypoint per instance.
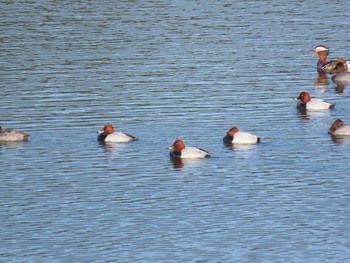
x,y
322,51
327,66
235,136
339,128
305,102
179,150
13,135
340,75
107,134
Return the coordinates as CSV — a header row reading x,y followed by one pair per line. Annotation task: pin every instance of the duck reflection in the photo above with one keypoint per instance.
x,y
12,144
339,87
321,82
307,114
234,146
340,139
181,163
111,147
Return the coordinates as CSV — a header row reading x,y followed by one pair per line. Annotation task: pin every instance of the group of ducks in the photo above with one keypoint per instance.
x,y
233,136
178,149
338,128
339,68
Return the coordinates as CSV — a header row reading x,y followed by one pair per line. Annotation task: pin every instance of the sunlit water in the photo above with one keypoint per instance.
x,y
163,70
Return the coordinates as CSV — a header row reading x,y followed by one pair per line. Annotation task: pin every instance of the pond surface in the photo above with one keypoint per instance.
x,y
164,70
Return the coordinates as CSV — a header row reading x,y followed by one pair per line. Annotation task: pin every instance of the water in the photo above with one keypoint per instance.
x,y
164,70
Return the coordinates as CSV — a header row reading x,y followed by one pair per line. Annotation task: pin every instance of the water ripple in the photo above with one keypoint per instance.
x,y
161,71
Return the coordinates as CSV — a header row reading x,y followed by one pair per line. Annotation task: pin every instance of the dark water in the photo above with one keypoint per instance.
x,y
163,70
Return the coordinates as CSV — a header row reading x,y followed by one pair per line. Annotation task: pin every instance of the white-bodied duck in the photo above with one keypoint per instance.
x,y
306,103
179,150
107,134
235,136
339,128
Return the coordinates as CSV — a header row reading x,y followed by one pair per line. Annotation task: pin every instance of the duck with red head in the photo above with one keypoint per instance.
x,y
235,136
306,103
107,134
179,150
338,128
12,135
340,74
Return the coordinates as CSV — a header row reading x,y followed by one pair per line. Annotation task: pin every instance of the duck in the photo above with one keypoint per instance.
x,y
322,51
9,135
340,74
107,134
234,136
306,103
339,128
179,150
327,66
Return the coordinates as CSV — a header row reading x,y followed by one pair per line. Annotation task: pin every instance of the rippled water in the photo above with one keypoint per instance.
x,y
163,70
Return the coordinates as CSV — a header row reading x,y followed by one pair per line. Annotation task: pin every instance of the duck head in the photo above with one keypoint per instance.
x,y
107,129
321,51
178,145
339,68
232,131
304,97
336,125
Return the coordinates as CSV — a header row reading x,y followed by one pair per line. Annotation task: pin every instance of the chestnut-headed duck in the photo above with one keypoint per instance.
x,y
235,136
327,66
340,74
11,135
107,134
179,150
305,102
339,128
